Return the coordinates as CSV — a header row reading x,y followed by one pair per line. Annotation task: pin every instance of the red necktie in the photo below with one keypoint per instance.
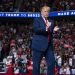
x,y
48,30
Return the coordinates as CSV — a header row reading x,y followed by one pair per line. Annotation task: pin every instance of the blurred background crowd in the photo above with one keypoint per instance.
x,y
15,38
34,5
16,53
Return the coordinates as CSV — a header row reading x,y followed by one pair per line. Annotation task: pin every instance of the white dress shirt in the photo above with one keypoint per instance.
x,y
48,24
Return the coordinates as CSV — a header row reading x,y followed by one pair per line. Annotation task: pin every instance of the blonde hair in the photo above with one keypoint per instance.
x,y
47,7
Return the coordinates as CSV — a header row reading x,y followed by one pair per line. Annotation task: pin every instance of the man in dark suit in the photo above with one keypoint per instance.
x,y
42,42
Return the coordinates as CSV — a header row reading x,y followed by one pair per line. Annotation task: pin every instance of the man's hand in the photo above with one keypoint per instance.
x,y
56,28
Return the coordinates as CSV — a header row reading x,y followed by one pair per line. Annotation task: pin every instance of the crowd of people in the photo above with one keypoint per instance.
x,y
16,53
15,38
64,45
61,5
23,5
7,5
15,41
34,5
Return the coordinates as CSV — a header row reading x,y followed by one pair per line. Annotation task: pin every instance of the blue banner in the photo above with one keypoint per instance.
x,y
36,14
63,13
19,14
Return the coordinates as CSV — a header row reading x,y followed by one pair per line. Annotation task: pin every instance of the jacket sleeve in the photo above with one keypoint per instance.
x,y
38,28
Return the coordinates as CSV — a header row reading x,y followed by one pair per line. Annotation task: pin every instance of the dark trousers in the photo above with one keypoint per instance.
x,y
49,55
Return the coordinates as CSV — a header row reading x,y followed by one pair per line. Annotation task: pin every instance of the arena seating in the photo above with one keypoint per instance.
x,y
15,39
16,53
34,5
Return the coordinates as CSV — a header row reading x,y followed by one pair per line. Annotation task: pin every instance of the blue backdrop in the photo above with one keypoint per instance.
x,y
37,14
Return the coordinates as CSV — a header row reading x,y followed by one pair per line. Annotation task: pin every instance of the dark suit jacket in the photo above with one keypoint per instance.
x,y
40,39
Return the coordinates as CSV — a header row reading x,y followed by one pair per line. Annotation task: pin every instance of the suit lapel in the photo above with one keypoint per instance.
x,y
42,20
44,24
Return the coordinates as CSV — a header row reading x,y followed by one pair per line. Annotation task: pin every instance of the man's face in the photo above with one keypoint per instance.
x,y
45,12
